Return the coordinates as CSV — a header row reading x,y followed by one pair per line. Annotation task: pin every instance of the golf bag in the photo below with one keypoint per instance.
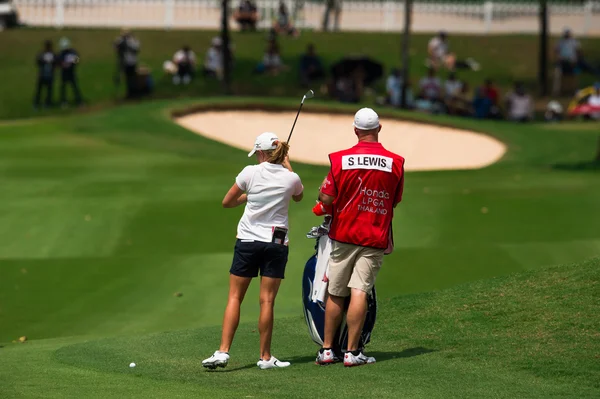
x,y
314,293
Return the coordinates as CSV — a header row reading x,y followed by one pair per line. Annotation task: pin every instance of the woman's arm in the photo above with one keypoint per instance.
x,y
234,197
298,198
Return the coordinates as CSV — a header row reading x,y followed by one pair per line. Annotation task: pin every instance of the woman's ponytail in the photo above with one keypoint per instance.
x,y
277,156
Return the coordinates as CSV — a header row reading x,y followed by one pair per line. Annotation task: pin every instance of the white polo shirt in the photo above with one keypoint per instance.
x,y
269,188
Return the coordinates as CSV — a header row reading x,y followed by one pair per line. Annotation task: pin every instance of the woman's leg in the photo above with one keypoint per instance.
x,y
237,290
268,291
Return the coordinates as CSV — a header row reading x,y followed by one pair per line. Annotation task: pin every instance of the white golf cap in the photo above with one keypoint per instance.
x,y
366,119
216,41
264,142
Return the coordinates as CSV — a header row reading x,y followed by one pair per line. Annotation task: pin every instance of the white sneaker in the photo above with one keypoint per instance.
x,y
326,356
351,360
271,363
218,359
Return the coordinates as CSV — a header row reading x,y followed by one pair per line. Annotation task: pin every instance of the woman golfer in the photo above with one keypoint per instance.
x,y
261,244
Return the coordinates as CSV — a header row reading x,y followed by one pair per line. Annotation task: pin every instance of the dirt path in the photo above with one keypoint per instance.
x,y
425,147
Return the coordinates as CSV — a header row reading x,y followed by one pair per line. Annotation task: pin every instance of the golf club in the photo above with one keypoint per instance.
x,y
309,94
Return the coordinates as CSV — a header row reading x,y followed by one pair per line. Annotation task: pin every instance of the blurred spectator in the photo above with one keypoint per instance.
x,y
393,87
594,101
283,24
127,48
567,52
554,112
430,87
311,68
246,15
460,103
439,55
46,61
519,104
68,59
482,105
144,84
345,90
334,6
271,63
185,60
452,87
491,92
213,61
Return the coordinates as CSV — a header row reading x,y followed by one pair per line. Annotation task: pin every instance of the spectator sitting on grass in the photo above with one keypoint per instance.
x,y
439,55
271,63
491,92
283,24
452,87
393,87
311,68
185,60
246,15
482,105
460,103
430,87
519,104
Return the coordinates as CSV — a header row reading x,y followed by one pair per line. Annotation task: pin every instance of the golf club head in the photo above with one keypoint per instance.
x,y
309,94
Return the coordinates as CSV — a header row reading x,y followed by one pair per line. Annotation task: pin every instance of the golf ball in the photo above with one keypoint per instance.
x,y
131,364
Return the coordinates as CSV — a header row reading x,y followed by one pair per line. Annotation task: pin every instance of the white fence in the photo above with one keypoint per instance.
x,y
358,15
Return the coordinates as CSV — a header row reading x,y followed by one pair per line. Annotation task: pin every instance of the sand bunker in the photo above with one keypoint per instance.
x,y
425,147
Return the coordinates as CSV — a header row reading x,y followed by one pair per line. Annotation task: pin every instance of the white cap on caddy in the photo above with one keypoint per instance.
x,y
264,142
366,119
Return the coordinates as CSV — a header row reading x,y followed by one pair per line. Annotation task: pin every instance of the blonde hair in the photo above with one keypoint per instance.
x,y
277,156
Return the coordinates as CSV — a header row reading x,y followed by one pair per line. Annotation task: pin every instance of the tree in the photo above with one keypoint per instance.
x,y
543,63
225,46
406,52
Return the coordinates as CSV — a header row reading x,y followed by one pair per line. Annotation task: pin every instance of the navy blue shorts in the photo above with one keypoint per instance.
x,y
251,257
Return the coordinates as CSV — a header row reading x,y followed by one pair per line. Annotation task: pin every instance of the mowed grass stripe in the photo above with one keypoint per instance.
x,y
483,339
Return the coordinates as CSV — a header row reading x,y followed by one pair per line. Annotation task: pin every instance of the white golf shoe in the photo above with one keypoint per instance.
x,y
272,363
351,360
326,356
218,359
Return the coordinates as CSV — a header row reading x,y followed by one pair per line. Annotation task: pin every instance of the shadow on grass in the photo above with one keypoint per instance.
x,y
410,352
589,166
380,356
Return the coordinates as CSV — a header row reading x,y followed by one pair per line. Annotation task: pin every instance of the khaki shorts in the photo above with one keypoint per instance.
x,y
352,266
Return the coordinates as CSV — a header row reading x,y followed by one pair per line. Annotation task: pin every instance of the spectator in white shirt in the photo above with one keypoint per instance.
x,y
394,90
452,86
213,62
439,55
568,52
519,104
185,60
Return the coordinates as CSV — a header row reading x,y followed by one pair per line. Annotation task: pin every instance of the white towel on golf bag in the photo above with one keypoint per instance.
x,y
321,270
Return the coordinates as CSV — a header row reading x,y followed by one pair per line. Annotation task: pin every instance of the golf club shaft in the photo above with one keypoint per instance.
x,y
298,113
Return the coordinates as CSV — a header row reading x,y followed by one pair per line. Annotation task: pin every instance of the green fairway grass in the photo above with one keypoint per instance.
x,y
530,335
503,58
105,216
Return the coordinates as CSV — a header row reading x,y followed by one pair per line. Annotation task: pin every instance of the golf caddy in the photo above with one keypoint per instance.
x,y
314,294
